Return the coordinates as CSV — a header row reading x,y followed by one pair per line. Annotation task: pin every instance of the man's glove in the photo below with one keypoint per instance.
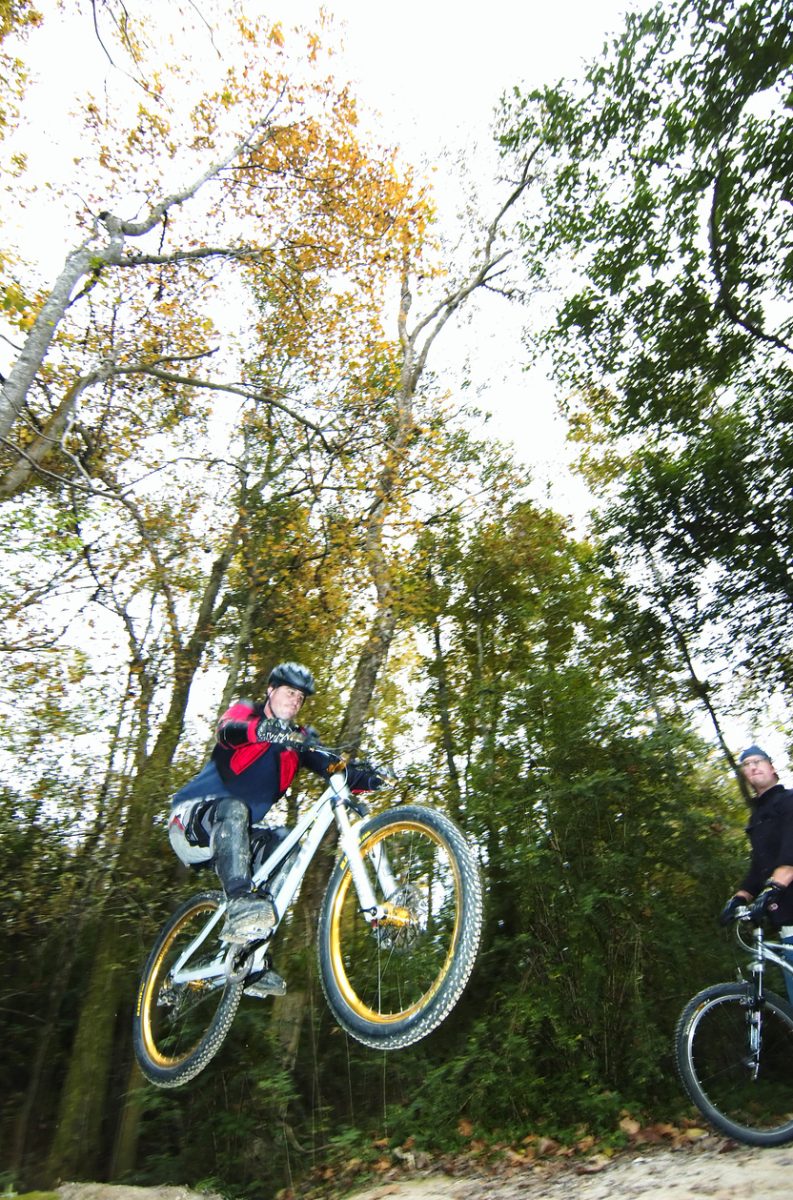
x,y
727,914
369,777
279,733
766,904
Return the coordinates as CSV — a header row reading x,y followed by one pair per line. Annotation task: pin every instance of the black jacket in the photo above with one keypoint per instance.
x,y
260,772
770,831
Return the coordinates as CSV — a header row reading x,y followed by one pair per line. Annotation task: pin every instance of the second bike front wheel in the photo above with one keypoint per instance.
x,y
735,1059
185,1003
390,983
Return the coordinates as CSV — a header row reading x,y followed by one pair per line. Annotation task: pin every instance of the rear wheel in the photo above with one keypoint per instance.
x,y
391,983
735,1058
185,1008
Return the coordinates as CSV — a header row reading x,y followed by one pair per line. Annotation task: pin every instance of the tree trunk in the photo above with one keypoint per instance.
x,y
699,688
76,1150
91,865
15,390
60,968
371,661
445,721
125,1149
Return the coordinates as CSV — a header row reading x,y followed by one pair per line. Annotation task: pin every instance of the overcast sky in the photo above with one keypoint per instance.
x,y
436,68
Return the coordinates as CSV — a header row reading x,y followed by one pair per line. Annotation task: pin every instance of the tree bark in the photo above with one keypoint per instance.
x,y
699,688
76,1150
128,1129
445,720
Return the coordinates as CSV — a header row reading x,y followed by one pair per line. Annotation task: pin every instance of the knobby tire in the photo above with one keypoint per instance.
x,y
749,1101
391,985
178,1029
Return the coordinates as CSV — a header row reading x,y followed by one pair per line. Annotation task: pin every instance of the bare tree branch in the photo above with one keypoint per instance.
x,y
104,247
717,260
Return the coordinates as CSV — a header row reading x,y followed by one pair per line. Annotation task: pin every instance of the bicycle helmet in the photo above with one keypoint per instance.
x,y
294,675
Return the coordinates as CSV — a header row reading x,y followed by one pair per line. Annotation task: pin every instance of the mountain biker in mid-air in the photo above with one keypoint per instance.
x,y
259,750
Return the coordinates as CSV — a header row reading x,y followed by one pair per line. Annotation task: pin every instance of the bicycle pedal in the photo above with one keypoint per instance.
x,y
269,983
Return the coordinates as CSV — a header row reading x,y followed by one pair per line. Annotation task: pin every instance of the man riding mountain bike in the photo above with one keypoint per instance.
x,y
259,750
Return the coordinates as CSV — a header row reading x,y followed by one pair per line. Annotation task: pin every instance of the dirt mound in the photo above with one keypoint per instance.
x,y
723,1171
120,1191
715,1169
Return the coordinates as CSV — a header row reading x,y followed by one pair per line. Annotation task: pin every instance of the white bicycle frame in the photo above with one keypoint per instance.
x,y
333,804
761,950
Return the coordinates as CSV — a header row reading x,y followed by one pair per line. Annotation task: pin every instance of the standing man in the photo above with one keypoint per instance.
x,y
766,887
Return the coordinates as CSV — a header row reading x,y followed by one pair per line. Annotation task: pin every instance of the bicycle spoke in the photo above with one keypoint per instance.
x,y
741,1060
390,968
185,1003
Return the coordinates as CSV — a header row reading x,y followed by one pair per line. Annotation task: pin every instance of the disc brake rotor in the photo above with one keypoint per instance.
x,y
403,923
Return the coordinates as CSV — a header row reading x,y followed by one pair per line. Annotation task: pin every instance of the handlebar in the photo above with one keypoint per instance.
x,y
282,733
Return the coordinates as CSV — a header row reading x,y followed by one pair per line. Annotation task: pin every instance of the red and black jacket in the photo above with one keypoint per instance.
x,y
260,772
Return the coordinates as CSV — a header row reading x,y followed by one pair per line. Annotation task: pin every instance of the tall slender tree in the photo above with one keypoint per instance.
x,y
666,183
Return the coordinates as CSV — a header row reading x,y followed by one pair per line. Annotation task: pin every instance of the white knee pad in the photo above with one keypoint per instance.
x,y
184,850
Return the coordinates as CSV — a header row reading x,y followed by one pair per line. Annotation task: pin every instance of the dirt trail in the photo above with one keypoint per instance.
x,y
721,1172
714,1169
122,1191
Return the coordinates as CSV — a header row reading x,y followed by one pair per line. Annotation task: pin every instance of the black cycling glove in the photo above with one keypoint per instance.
x,y
368,778
281,733
727,914
766,904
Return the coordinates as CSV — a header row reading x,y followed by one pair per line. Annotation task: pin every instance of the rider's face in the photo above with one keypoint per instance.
x,y
284,702
759,773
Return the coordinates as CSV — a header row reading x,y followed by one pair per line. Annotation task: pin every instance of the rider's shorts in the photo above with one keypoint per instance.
x,y
190,829
190,833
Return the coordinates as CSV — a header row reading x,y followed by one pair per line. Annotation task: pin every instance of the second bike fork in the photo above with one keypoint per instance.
x,y
754,1015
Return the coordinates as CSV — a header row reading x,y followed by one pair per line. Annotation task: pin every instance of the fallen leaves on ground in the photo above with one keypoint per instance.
x,y
537,1153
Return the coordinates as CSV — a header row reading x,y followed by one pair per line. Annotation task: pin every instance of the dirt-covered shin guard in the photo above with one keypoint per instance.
x,y
231,846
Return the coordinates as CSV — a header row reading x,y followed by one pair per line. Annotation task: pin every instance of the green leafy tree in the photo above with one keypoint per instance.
x,y
605,834
280,194
666,178
666,182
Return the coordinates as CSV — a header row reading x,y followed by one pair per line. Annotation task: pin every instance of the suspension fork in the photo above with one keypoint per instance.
x,y
348,840
754,1017
378,857
382,866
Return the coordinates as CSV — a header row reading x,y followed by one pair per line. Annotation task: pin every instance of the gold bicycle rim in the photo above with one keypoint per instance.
x,y
149,998
351,997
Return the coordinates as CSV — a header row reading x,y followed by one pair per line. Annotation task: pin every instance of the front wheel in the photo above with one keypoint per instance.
x,y
391,983
186,1003
735,1058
